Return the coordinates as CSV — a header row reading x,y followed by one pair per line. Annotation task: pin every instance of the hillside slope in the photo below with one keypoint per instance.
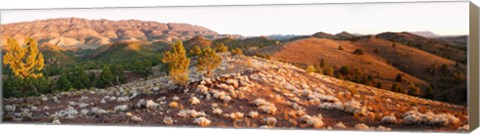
x,y
310,51
245,92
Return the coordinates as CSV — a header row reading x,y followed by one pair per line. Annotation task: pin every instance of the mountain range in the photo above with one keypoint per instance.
x,y
84,33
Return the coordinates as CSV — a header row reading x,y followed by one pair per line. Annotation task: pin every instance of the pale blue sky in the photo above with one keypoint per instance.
x,y
444,18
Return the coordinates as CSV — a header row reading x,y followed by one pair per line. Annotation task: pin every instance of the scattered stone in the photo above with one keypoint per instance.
x,y
382,128
202,121
136,118
98,111
68,113
253,114
121,108
340,125
194,101
152,105
56,122
71,103
270,121
217,111
123,99
141,103
175,98
113,98
389,119
103,101
34,108
362,126
10,108
168,121
155,89
44,98
82,105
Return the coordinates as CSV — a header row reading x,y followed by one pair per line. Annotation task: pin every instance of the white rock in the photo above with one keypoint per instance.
x,y
217,111
253,114
98,111
69,113
82,105
410,119
136,118
10,108
141,103
340,125
362,126
168,121
194,101
56,122
382,128
202,121
123,99
156,89
175,98
152,105
121,108
389,119
270,121
113,98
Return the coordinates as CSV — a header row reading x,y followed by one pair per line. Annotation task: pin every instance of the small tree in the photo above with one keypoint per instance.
x,y
395,87
329,71
413,89
399,78
322,63
106,78
196,50
237,51
310,69
63,83
340,47
142,68
208,60
429,93
25,63
221,48
177,63
344,70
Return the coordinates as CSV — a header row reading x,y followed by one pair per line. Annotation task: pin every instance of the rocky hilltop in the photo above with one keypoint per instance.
x,y
245,92
73,32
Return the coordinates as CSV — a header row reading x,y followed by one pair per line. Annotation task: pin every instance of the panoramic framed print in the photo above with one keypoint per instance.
x,y
353,66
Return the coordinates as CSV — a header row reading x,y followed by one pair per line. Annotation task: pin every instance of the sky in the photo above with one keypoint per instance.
x,y
442,18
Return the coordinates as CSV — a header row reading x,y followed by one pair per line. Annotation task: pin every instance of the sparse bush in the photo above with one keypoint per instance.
x,y
413,89
395,87
237,51
221,48
106,78
444,69
310,69
399,78
177,63
340,47
344,70
323,64
195,51
429,93
329,71
208,60
358,52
